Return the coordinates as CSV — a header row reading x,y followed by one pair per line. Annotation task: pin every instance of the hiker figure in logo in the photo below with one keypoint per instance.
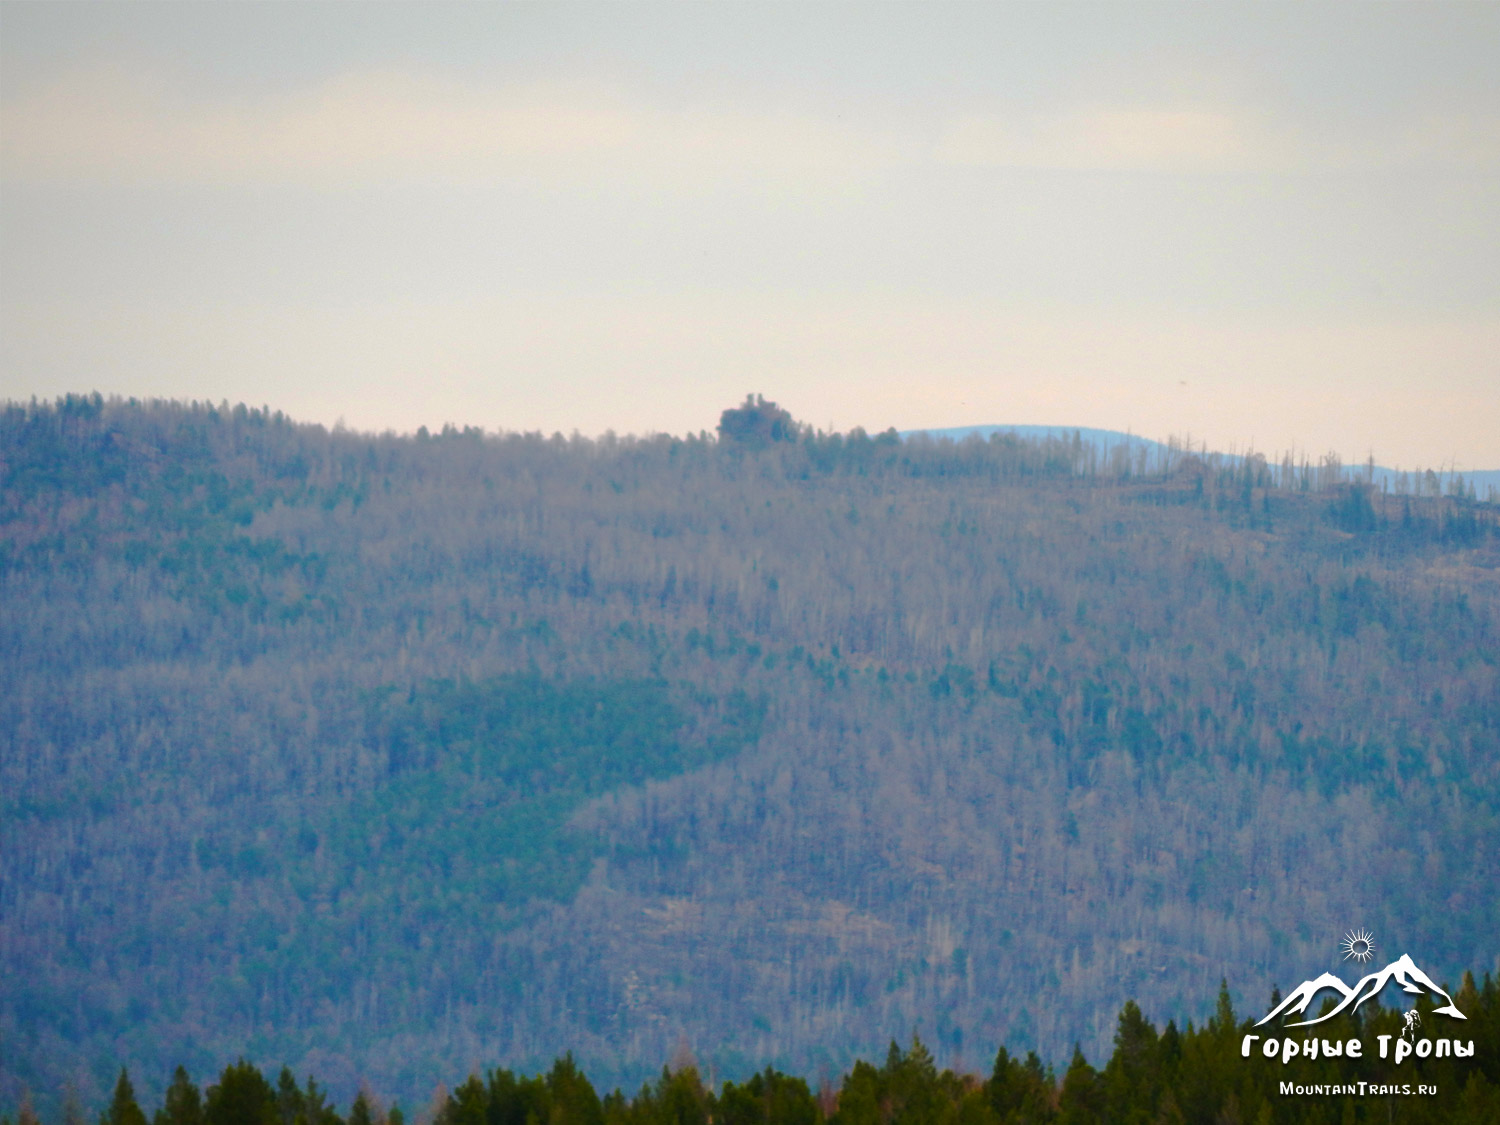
x,y
1413,1021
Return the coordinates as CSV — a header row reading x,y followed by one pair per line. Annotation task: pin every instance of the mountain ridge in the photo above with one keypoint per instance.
x,y
1482,480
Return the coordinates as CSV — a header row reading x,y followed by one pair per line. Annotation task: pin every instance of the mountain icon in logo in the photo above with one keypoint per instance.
x,y
1403,971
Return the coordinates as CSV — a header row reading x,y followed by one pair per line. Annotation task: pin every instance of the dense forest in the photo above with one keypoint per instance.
x,y
382,756
1212,1074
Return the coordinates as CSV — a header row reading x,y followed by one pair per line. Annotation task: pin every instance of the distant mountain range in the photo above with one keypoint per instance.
x,y
1484,481
1108,439
1403,971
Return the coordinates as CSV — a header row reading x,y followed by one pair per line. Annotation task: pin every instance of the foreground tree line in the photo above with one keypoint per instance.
x,y
1216,1073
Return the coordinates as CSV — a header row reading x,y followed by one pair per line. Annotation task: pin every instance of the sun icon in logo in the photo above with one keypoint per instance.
x,y
1359,945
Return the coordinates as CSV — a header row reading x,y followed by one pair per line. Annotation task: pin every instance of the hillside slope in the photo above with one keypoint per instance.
x,y
369,754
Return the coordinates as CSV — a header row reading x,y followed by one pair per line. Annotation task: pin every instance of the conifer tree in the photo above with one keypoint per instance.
x,y
1223,1024
767,1096
861,1095
466,1105
183,1104
1480,1100
242,1097
316,1109
912,1084
1019,1091
289,1101
1132,1076
1081,1101
681,1099
574,1100
123,1109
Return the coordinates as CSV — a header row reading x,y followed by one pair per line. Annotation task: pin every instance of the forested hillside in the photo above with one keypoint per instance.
x,y
382,756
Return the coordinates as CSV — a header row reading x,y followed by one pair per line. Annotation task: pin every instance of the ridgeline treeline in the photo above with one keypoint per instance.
x,y
372,753
1176,1075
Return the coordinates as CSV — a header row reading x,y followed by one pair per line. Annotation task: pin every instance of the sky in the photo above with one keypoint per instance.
x,y
1246,225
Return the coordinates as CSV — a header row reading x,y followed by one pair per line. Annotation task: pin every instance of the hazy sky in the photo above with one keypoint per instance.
x,y
1254,224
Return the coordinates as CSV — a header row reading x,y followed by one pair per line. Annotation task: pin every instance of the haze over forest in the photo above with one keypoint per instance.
x,y
382,756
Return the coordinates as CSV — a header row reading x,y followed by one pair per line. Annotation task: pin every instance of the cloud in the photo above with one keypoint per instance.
x,y
122,126
118,125
110,124
1106,139
1186,140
